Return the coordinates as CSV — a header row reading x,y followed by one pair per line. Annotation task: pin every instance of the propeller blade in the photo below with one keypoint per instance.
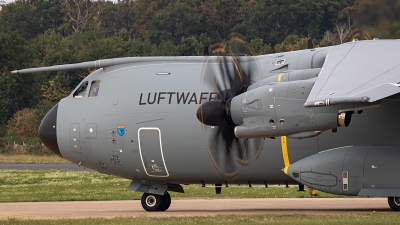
x,y
230,77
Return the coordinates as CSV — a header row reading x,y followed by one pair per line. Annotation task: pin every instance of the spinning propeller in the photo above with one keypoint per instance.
x,y
230,76
231,80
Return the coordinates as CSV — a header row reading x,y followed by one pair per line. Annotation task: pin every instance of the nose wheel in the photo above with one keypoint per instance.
x,y
153,202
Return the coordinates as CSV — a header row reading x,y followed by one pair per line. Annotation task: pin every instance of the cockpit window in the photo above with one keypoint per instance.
x,y
94,88
80,92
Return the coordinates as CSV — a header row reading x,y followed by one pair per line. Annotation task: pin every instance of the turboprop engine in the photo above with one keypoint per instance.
x,y
270,109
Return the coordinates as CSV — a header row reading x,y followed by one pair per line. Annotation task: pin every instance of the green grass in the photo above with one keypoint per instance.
x,y
32,159
39,185
351,218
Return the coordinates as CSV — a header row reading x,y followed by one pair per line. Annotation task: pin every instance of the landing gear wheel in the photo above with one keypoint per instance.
x,y
166,201
152,202
394,203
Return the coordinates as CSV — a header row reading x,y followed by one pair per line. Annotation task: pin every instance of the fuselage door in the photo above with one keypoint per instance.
x,y
151,152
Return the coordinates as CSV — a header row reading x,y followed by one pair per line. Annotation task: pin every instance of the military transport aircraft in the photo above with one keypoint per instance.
x,y
332,112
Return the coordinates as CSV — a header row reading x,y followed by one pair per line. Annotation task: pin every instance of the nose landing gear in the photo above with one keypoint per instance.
x,y
153,202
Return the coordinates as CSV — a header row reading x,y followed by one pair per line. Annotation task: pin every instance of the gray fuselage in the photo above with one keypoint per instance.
x,y
154,103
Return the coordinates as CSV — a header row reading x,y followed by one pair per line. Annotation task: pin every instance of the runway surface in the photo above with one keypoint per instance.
x,y
69,167
192,207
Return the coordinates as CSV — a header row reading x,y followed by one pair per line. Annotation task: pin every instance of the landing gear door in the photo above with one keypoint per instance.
x,y
151,152
353,169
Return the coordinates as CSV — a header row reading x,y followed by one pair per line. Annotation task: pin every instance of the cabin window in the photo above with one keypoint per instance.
x,y
81,91
94,88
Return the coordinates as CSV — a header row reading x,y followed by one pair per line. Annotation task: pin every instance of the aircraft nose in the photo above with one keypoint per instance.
x,y
48,131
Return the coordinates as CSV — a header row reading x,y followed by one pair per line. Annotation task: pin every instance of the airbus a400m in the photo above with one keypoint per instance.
x,y
165,121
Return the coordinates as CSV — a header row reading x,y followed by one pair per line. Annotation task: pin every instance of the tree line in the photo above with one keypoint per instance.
x,y
37,33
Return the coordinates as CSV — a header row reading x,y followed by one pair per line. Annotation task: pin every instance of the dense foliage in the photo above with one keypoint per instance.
x,y
48,32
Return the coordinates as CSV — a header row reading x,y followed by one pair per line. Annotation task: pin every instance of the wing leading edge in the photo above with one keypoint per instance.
x,y
364,71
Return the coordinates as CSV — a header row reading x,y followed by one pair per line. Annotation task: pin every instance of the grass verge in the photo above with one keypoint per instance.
x,y
353,218
39,185
32,159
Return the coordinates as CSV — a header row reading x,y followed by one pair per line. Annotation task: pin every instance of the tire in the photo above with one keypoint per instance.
x,y
166,201
394,203
152,202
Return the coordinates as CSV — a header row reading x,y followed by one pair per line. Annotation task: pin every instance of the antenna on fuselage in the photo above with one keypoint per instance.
x,y
310,44
206,51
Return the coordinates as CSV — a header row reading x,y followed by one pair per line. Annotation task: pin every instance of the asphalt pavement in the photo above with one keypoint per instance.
x,y
193,207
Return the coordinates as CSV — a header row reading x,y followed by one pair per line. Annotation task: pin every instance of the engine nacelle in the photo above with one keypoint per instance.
x,y
353,170
288,76
277,110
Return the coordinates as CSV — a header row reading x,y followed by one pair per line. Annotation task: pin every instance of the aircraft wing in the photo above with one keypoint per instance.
x,y
362,71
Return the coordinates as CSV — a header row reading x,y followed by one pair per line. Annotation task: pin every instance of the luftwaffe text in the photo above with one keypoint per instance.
x,y
176,98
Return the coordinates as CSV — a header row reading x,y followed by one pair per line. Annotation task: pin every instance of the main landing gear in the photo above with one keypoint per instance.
x,y
394,203
153,202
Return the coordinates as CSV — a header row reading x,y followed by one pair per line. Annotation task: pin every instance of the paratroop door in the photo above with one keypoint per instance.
x,y
151,152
